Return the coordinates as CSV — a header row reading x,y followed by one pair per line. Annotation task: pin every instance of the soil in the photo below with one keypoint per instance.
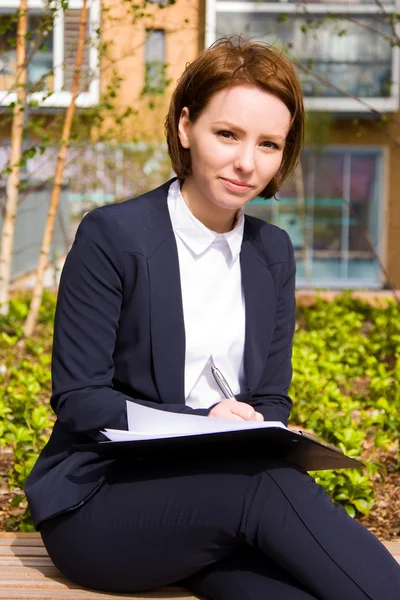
x,y
384,519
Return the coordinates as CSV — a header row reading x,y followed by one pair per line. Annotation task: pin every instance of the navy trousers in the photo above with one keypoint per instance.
x,y
227,530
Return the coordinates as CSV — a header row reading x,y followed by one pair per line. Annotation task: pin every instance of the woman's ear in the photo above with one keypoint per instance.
x,y
184,128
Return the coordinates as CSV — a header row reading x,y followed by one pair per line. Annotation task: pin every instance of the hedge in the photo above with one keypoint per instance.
x,y
345,389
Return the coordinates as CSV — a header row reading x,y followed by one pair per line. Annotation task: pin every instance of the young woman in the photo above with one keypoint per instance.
x,y
156,291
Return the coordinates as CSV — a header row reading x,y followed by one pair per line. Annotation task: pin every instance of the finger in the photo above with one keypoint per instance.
x,y
234,417
243,410
221,411
256,417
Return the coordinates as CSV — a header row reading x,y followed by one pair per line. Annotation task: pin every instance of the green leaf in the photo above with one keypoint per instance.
x,y
362,505
351,511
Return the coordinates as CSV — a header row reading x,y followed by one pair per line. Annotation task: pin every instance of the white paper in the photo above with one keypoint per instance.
x,y
120,435
146,423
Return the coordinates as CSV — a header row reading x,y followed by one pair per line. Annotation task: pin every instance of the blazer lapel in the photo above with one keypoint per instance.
x,y
166,311
259,294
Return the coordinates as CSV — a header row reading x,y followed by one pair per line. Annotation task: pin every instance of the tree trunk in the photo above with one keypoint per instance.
x,y
10,210
31,319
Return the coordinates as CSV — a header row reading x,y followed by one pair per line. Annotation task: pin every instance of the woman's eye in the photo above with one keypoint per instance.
x,y
271,145
225,134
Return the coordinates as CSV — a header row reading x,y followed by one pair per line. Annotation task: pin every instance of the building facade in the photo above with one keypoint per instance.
x,y
342,208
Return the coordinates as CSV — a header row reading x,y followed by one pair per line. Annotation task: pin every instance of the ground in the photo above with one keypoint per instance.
x,y
384,519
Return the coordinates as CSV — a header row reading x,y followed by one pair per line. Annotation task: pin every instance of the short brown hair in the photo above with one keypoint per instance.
x,y
235,61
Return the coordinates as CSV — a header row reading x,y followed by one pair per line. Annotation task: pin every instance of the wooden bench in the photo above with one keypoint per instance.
x,y
27,572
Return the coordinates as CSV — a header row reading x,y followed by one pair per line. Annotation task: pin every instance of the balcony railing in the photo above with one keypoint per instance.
x,y
343,51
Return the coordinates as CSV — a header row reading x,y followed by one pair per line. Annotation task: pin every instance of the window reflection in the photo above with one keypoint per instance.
x,y
374,2
351,54
333,226
39,44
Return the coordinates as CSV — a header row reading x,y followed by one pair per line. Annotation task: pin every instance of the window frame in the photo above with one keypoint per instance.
x,y
60,98
344,104
344,281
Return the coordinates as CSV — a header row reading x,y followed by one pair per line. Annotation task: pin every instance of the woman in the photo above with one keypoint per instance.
x,y
156,291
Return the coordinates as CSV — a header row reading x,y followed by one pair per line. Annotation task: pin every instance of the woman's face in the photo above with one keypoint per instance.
x,y
236,146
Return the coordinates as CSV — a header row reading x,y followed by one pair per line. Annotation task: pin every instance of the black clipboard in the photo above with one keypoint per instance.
x,y
296,447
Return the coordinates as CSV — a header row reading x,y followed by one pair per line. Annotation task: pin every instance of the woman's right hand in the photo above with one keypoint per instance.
x,y
230,408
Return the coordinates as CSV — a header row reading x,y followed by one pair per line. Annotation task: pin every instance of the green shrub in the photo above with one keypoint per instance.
x,y
346,389
25,414
346,386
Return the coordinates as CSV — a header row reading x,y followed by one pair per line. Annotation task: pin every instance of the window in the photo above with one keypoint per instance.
x,y
71,20
333,227
344,54
53,50
309,2
41,46
155,81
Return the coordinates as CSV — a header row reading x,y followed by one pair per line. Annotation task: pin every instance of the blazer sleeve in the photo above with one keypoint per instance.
x,y
85,330
271,398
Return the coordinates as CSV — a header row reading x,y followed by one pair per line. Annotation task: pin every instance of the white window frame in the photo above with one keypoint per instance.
x,y
61,98
344,103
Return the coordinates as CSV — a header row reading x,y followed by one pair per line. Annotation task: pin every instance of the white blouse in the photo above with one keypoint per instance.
x,y
213,302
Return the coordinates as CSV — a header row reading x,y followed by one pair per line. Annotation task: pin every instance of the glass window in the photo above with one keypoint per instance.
x,y
155,80
331,210
353,55
374,2
39,47
326,204
71,20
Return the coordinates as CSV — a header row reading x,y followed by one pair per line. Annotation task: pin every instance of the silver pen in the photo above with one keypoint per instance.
x,y
221,382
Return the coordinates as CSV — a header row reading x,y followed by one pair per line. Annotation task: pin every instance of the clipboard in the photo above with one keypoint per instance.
x,y
296,447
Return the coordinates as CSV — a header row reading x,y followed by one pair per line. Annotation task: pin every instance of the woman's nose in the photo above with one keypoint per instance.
x,y
245,159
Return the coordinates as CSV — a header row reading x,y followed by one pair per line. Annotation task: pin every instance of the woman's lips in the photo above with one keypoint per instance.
x,y
236,186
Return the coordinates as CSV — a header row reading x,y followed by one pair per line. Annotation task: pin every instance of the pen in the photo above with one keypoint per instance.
x,y
222,383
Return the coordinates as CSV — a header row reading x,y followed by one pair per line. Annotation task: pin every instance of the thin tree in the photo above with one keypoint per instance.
x,y
10,209
31,319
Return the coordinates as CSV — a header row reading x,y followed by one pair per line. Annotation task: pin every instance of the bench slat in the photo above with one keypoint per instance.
x,y
393,547
12,535
28,594
33,540
30,572
27,573
37,584
46,585
36,541
15,550
25,561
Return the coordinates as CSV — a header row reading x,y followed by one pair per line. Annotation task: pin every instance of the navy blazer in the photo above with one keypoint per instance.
x,y
119,335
